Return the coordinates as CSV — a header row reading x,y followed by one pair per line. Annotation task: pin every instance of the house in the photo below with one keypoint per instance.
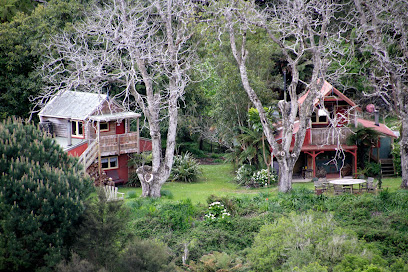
x,y
324,139
94,128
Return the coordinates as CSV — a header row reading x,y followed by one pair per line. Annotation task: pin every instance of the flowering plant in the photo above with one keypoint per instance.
x,y
261,177
216,211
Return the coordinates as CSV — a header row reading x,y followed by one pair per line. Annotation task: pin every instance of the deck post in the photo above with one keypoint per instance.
x,y
98,133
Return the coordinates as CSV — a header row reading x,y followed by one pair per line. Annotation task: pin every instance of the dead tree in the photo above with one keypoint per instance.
x,y
304,32
144,48
383,31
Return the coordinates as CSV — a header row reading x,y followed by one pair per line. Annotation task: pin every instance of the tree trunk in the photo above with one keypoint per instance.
x,y
150,184
285,176
404,153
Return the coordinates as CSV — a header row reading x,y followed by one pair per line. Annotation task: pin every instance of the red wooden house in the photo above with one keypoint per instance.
x,y
324,140
95,129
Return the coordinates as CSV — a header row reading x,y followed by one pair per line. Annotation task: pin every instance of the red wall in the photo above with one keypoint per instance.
x,y
123,170
145,145
76,152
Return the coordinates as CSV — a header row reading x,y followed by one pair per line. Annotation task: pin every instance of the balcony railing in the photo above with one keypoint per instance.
x,y
119,144
329,136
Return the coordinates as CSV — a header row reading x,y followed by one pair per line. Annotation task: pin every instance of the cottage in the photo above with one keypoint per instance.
x,y
94,128
325,139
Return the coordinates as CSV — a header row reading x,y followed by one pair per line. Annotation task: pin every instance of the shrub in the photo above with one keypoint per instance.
x,y
298,240
145,255
244,174
185,168
216,212
396,157
218,261
41,198
261,177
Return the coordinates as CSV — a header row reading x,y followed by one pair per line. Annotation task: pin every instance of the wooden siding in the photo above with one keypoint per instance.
x,y
326,136
119,144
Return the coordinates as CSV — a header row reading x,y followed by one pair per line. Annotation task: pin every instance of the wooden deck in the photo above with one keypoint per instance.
x,y
119,144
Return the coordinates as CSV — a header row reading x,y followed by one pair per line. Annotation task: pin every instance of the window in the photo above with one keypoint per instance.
x,y
320,117
77,129
104,126
109,162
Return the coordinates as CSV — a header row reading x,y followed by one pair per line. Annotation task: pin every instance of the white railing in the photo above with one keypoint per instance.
x,y
89,155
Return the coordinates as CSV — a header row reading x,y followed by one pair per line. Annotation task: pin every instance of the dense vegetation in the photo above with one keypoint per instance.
x,y
42,197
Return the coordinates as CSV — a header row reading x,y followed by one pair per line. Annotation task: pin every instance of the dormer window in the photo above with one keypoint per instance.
x,y
320,117
77,129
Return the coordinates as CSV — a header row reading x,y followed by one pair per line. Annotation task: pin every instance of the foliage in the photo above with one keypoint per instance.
x,y
22,49
103,232
185,168
145,255
364,138
372,169
217,212
41,198
218,261
78,264
298,240
263,178
244,174
396,157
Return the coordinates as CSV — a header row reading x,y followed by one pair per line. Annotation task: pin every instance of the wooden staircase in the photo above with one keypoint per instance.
x,y
89,155
387,167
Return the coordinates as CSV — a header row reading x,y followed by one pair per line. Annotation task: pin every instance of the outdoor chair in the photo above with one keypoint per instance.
x,y
372,186
112,193
320,186
364,186
338,189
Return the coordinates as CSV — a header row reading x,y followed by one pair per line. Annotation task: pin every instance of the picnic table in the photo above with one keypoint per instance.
x,y
348,183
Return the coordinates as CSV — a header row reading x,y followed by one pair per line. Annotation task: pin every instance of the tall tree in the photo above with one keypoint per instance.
x,y
132,43
41,198
383,32
304,33
22,48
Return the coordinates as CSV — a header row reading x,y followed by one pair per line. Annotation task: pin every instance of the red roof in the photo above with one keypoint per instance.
x,y
327,89
383,129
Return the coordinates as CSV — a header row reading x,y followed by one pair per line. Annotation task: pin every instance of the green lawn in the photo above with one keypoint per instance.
x,y
217,180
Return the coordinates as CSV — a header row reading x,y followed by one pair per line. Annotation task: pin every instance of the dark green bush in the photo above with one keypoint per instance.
x,y
42,197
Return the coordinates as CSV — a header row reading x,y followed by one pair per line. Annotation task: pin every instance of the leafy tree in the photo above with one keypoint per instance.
x,y
22,48
41,198
103,232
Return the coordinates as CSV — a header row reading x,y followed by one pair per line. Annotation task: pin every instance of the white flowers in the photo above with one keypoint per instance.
x,y
216,211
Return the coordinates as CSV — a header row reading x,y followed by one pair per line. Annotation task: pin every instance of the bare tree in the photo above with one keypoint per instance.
x,y
145,48
304,32
383,31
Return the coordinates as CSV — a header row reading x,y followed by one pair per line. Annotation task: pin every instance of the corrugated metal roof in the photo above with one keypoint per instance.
x,y
73,105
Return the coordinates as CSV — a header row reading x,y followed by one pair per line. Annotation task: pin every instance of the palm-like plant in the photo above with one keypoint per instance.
x,y
365,139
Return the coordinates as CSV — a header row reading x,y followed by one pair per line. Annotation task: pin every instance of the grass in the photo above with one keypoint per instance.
x,y
218,180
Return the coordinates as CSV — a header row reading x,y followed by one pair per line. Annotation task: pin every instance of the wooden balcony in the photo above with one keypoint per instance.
x,y
329,136
119,144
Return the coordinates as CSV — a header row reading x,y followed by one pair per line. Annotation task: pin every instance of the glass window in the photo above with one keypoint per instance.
x,y
104,126
77,129
109,162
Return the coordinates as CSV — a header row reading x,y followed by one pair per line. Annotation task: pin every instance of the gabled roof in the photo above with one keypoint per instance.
x,y
327,89
73,105
381,128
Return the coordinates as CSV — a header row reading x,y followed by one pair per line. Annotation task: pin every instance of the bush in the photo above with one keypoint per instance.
x,y
261,177
41,198
185,168
298,240
244,174
218,261
216,212
145,255
396,157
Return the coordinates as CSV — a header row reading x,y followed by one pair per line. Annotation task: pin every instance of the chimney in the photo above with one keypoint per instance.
x,y
377,118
